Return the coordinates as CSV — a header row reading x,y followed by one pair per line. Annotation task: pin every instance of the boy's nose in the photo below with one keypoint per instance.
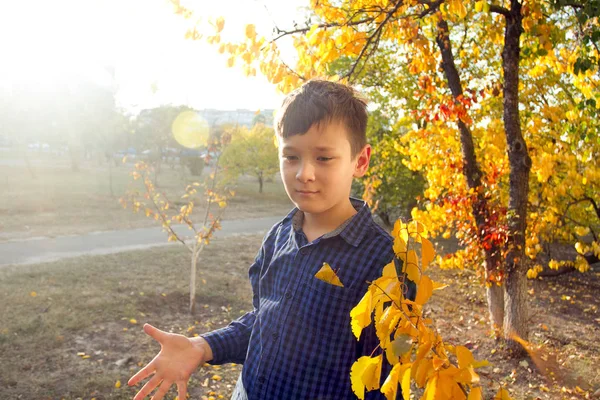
x,y
306,173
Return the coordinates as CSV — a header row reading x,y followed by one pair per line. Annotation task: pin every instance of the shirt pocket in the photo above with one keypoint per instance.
x,y
324,309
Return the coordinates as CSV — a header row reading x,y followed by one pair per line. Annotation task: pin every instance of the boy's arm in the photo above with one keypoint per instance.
x,y
230,344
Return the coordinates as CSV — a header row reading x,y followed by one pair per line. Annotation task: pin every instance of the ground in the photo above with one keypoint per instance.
x,y
72,328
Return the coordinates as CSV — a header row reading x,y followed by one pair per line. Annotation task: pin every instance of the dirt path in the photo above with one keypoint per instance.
x,y
35,250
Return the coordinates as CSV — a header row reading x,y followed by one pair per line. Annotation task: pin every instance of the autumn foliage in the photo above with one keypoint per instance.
x,y
409,341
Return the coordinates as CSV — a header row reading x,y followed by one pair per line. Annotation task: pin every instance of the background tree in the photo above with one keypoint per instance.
x,y
156,204
251,152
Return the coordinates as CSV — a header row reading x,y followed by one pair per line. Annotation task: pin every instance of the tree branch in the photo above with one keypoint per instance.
x,y
377,33
499,10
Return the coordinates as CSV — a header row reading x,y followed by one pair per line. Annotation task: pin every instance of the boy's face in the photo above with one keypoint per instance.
x,y
317,167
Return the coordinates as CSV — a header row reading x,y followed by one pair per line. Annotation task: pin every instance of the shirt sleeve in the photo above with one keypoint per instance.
x,y
230,344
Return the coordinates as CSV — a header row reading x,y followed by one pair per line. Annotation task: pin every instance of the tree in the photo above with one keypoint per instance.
x,y
253,152
153,131
157,205
380,187
470,136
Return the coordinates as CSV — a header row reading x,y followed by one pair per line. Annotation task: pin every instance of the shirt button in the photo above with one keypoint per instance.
x,y
261,380
304,251
275,335
288,295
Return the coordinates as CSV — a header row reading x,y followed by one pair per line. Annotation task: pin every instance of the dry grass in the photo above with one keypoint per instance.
x,y
60,201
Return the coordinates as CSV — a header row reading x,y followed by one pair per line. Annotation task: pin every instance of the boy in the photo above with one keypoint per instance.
x,y
297,342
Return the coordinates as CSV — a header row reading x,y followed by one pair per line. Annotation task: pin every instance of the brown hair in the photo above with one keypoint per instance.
x,y
320,101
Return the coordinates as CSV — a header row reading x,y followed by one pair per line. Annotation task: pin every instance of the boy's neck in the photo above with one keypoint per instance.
x,y
316,225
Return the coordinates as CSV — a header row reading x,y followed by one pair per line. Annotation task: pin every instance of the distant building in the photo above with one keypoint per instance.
x,y
240,116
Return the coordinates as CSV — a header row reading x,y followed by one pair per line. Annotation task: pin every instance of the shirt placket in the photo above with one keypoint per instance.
x,y
271,346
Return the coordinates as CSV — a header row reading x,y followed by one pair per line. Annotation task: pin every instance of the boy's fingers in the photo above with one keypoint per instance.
x,y
155,333
162,390
181,390
148,387
141,374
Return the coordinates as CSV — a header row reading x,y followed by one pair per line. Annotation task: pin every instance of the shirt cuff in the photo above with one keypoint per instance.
x,y
224,344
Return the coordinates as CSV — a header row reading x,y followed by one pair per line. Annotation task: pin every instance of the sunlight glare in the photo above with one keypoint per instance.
x,y
190,130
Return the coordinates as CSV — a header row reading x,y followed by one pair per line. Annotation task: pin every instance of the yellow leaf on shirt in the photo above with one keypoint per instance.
x,y
328,275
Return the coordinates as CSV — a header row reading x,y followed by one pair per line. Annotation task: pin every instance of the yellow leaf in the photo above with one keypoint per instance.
x,y
33,294
133,321
220,24
412,269
439,286
422,372
475,394
405,383
502,395
424,290
118,384
372,373
250,31
390,386
464,356
328,275
427,253
356,373
457,8
431,388
389,270
399,246
216,378
361,314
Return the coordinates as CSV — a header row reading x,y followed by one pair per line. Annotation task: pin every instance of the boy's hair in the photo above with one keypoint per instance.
x,y
320,101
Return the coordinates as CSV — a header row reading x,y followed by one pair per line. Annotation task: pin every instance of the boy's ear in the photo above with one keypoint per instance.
x,y
362,161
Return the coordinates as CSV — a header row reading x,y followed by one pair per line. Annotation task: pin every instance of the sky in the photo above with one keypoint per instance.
x,y
44,41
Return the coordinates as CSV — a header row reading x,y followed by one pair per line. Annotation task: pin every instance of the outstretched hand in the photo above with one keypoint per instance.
x,y
179,356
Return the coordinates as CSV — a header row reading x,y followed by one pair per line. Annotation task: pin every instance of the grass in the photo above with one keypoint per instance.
x,y
59,201
52,312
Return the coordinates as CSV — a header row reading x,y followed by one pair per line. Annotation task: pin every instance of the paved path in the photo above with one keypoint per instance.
x,y
30,251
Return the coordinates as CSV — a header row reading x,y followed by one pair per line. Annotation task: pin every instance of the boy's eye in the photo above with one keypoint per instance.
x,y
324,158
289,158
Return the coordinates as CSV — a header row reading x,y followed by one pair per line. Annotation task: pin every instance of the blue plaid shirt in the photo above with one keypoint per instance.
x,y
297,342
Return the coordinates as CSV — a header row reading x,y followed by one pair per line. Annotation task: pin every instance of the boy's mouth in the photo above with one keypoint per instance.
x,y
306,192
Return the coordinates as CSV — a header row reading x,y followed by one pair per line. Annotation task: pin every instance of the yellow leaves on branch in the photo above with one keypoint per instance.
x,y
457,7
410,343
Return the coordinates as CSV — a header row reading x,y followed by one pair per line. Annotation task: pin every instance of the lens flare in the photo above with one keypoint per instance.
x,y
190,130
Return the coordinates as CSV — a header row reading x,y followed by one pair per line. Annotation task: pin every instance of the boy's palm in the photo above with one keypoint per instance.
x,y
177,359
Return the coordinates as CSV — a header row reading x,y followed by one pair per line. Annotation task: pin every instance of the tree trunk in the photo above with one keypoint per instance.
x,y
260,182
28,163
385,218
472,172
495,299
74,158
110,179
515,280
193,280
